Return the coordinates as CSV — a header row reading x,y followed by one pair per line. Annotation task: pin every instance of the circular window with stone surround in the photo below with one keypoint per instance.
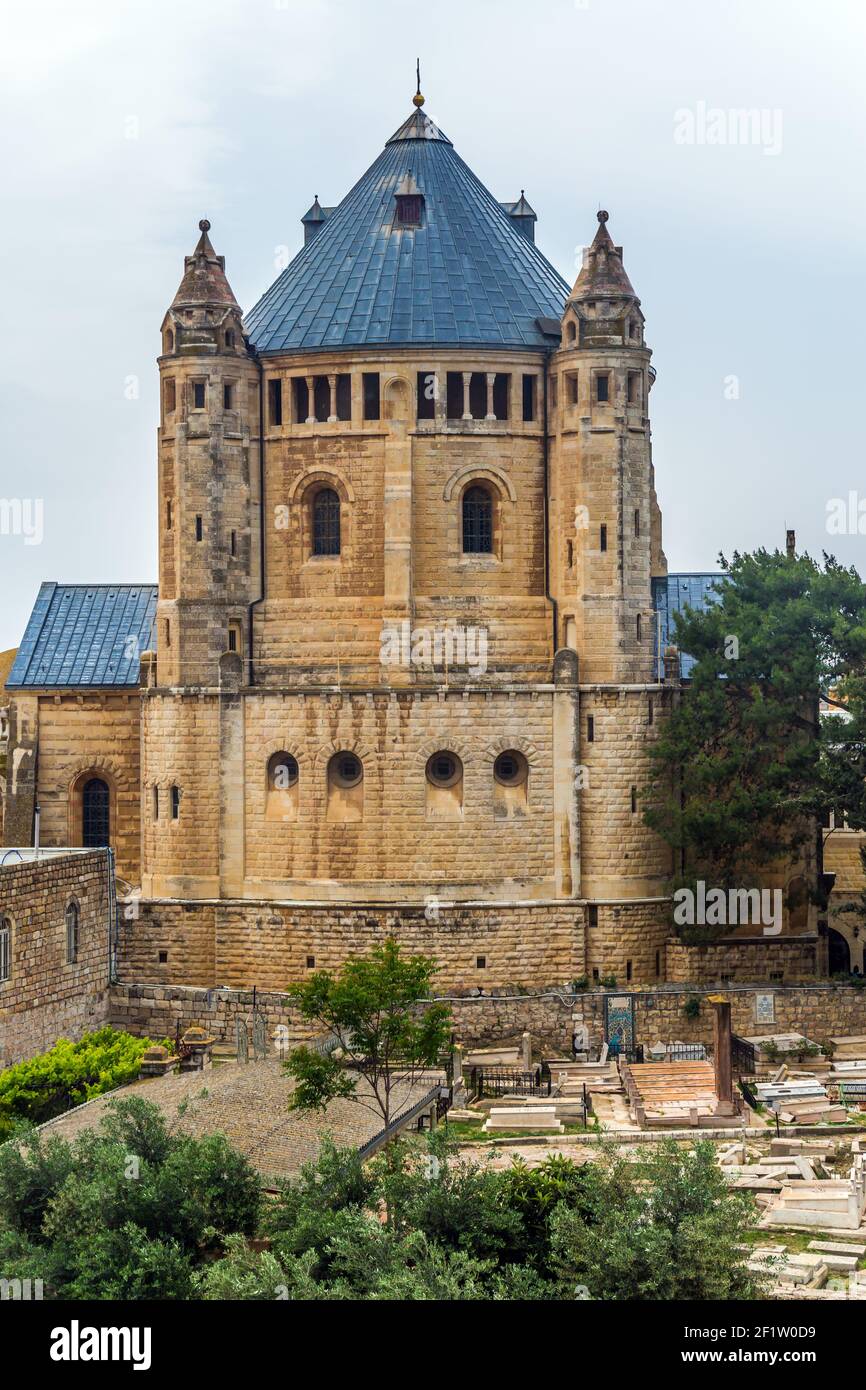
x,y
346,769
444,769
511,768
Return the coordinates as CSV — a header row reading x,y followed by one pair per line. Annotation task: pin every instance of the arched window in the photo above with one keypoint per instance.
x,y
345,787
95,819
571,331
510,784
477,522
282,789
71,932
326,522
5,949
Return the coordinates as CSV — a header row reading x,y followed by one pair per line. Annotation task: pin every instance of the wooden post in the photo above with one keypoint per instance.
x,y
722,1054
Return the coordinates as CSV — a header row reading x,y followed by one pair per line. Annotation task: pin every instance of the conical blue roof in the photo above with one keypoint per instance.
x,y
464,277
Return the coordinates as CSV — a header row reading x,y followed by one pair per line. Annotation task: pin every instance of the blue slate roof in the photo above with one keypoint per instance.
x,y
85,635
466,276
672,594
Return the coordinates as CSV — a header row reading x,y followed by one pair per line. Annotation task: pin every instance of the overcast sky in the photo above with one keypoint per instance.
x,y
124,123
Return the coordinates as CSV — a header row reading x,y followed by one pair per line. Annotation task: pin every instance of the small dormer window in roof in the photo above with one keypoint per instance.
x,y
410,202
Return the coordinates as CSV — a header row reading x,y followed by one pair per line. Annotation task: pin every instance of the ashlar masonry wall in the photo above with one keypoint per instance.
x,y
47,996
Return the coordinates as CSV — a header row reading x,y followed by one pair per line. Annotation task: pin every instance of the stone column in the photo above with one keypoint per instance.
x,y
491,413
231,776
332,388
311,400
397,519
566,754
722,1054
467,408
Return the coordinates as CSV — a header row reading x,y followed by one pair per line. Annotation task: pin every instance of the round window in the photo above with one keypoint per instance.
x,y
282,772
444,769
510,768
347,770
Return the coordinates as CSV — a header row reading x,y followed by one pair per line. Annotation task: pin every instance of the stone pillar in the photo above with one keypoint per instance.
x,y
491,413
231,777
311,400
526,1051
467,408
397,523
722,1054
332,388
566,755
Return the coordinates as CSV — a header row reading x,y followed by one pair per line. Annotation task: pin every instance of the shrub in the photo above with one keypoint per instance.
x,y
68,1074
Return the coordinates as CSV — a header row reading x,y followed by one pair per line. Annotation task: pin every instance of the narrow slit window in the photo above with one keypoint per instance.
x,y
633,800
528,396
233,544
602,387
170,396
72,933
275,401
602,537
175,803
372,400
637,521
301,399
228,396
198,395
199,530
634,388
590,729
427,395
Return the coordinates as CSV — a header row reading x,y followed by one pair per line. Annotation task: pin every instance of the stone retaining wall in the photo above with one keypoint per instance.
x,y
820,1011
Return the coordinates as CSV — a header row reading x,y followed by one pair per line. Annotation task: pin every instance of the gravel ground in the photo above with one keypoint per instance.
x,y
249,1105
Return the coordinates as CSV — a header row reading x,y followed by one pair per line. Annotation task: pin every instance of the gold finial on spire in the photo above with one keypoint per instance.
x,y
417,99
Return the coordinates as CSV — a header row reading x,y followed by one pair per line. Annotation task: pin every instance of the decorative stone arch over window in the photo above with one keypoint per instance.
x,y
345,767
443,786
397,397
303,494
284,769
85,804
499,489
510,762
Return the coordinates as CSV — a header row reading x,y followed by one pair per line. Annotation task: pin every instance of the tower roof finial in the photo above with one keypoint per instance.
x,y
417,99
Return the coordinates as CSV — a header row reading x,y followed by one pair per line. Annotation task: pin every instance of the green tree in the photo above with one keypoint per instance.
x,y
744,765
375,1012
665,1228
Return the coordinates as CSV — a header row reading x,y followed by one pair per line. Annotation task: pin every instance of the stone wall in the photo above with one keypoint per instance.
x,y
269,945
820,1012
783,960
47,997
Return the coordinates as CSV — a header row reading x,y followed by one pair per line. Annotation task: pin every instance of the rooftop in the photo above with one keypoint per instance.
x,y
466,275
85,635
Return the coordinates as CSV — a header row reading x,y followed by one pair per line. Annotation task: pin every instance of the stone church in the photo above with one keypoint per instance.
x,y
408,650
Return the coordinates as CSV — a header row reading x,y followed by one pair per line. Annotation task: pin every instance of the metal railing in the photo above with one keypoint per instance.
x,y
743,1056
440,1096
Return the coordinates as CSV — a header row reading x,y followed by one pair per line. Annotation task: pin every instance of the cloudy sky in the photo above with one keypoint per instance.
x,y
124,123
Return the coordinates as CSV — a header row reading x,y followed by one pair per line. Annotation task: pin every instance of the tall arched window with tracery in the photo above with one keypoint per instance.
x,y
326,522
477,521
95,813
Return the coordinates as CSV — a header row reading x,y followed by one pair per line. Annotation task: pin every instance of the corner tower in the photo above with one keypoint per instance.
x,y
606,544
208,489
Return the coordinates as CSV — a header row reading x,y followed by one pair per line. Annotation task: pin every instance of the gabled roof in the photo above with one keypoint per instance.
x,y
466,276
85,635
671,594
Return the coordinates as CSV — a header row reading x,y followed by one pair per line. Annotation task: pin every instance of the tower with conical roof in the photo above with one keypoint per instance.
x,y
607,527
208,438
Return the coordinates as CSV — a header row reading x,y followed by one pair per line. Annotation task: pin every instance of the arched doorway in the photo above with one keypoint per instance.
x,y
840,954
95,813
